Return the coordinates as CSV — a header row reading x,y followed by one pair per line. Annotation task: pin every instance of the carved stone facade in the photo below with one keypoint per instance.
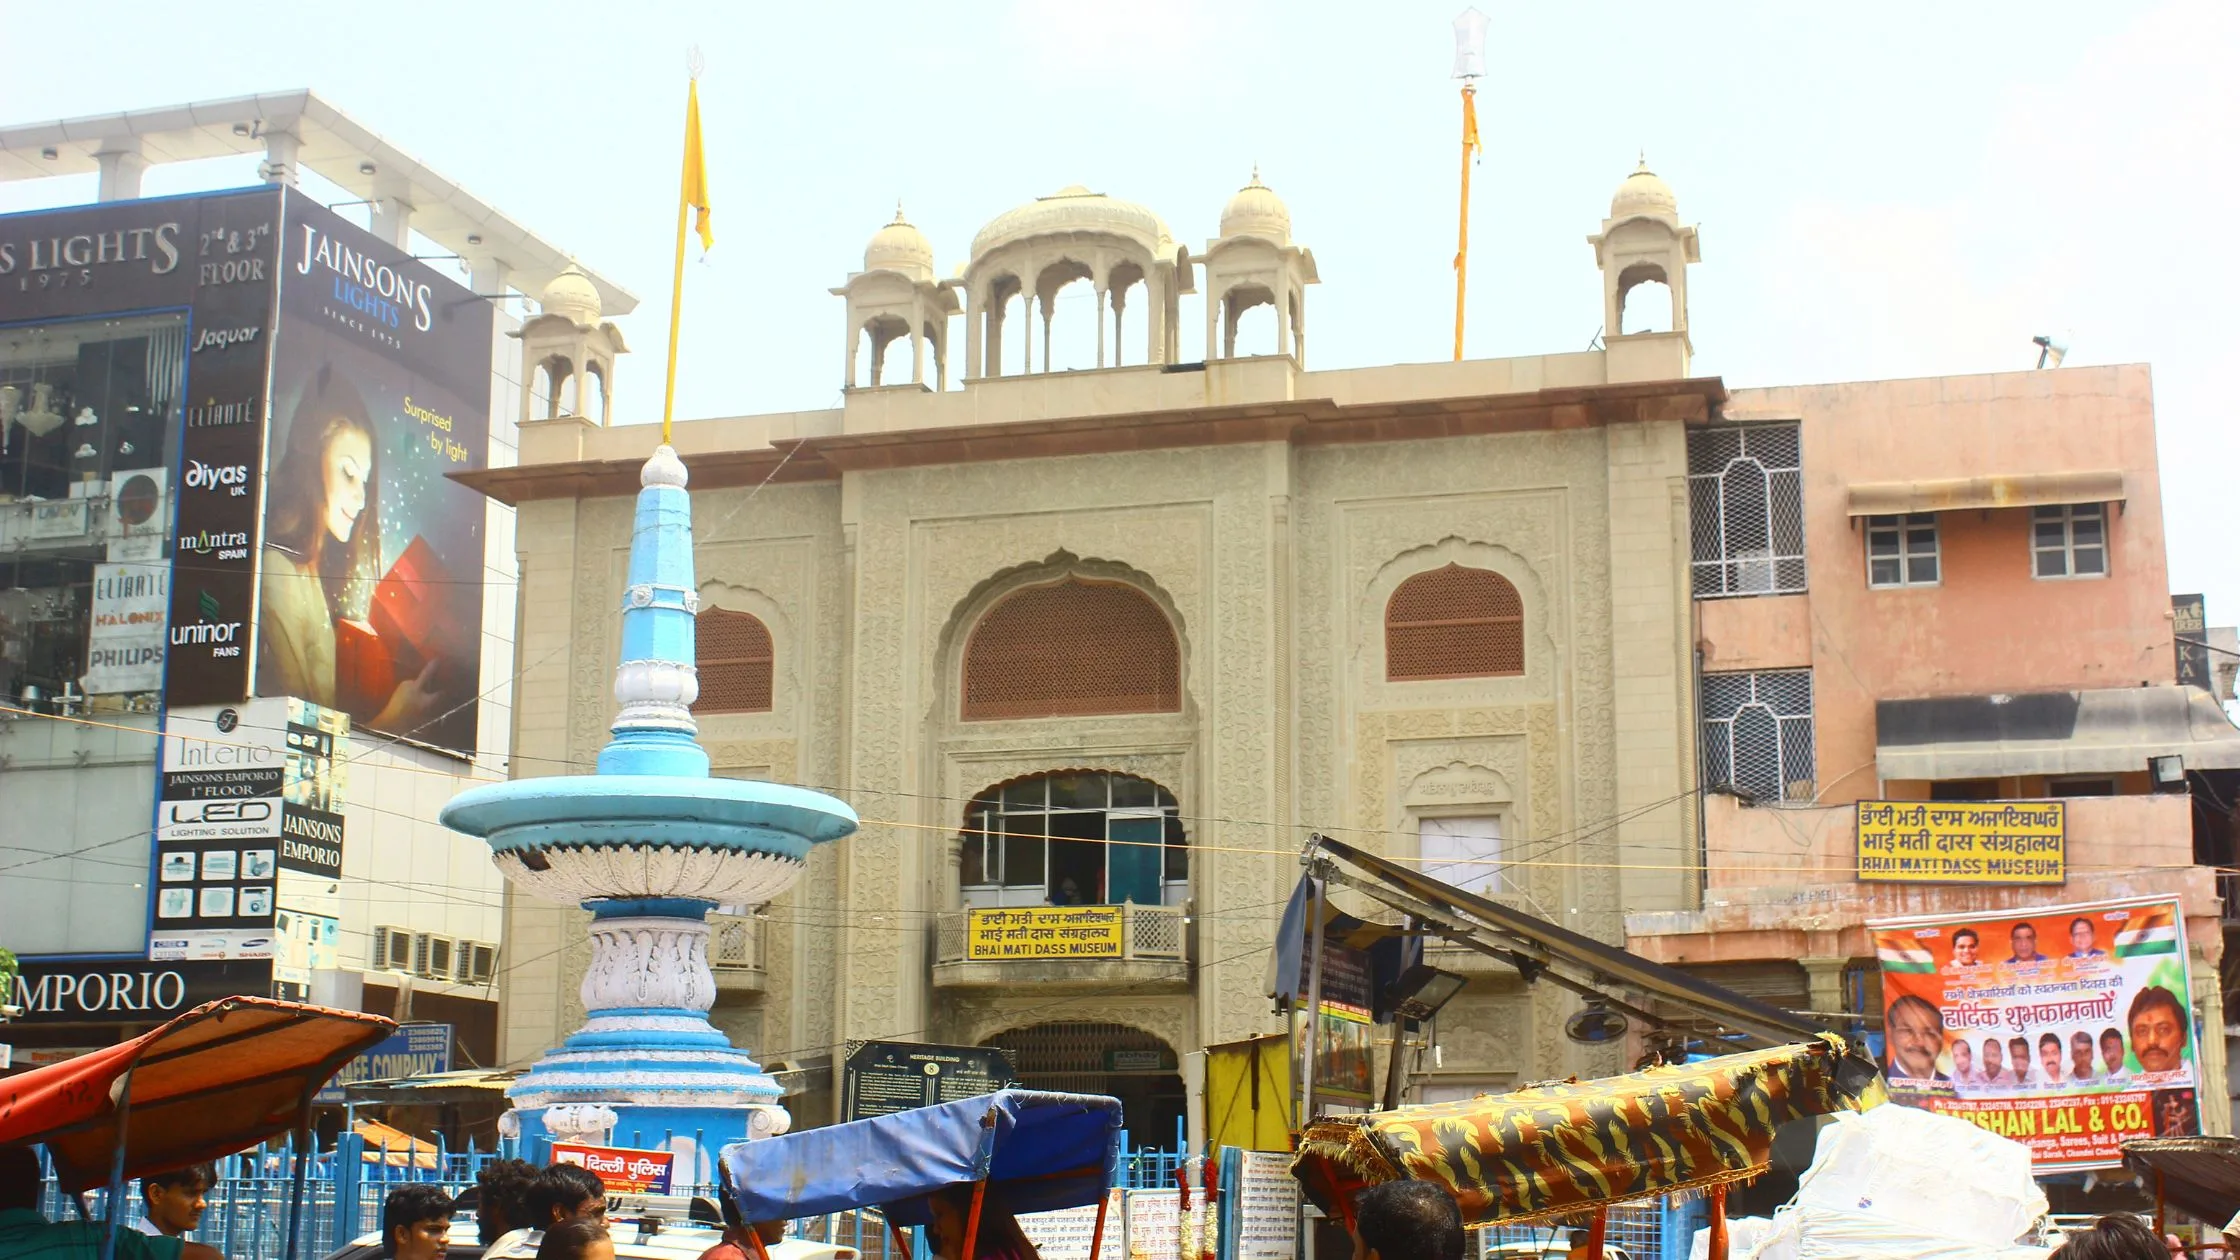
x,y
1269,513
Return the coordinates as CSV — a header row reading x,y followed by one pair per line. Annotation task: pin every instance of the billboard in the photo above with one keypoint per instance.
x,y
215,258
1043,932
412,1050
372,558
2068,1029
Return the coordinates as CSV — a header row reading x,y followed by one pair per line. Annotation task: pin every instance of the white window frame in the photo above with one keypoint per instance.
x,y
1722,562
1902,533
2068,515
1493,880
1767,696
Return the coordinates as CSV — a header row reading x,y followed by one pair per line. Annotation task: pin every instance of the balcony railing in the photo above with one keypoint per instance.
x,y
734,945
1063,934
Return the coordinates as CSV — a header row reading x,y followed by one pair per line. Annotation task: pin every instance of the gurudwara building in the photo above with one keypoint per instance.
x,y
1124,636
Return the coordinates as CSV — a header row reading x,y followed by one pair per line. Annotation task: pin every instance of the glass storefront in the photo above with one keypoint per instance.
x,y
88,420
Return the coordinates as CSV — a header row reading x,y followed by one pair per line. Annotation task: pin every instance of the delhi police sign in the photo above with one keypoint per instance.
x,y
413,1050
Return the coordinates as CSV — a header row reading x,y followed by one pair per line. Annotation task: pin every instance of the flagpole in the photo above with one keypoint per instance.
x,y
676,283
1462,243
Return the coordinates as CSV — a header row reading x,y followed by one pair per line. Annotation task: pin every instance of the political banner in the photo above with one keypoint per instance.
x,y
2068,1029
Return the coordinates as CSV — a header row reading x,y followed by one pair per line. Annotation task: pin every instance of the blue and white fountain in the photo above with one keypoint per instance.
x,y
649,845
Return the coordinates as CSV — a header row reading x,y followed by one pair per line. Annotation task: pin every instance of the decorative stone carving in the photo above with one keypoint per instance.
x,y
579,1122
649,963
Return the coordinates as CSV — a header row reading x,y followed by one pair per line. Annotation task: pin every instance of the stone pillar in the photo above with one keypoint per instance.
x,y
1098,305
1824,982
391,220
2209,1046
280,148
121,167
917,351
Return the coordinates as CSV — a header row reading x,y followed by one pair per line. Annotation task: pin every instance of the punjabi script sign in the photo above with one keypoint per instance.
x,y
1043,932
1969,842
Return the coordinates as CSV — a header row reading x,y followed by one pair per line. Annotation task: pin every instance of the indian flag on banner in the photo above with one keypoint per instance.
x,y
1904,954
2148,931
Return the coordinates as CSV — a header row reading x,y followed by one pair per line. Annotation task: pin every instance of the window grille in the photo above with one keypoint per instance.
x,y
1453,623
732,651
1902,550
1757,733
2069,541
1746,510
1027,841
1072,649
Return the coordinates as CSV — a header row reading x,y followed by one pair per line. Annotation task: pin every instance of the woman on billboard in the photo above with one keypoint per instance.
x,y
322,558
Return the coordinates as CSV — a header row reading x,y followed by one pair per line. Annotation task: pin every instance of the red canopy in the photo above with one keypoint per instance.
x,y
218,1079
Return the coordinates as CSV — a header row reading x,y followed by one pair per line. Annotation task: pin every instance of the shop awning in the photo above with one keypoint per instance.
x,y
2108,731
433,1088
2010,490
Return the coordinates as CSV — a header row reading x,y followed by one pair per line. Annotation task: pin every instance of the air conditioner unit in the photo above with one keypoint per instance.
x,y
392,949
437,952
479,962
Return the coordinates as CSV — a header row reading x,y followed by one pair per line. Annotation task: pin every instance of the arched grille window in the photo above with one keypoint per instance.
x,y
1453,623
734,657
1746,510
1072,649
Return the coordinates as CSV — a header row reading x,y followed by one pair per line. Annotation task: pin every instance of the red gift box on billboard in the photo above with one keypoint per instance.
x,y
404,630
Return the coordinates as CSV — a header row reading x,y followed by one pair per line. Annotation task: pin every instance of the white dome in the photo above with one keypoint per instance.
x,y
571,294
900,247
1257,211
1075,209
1644,193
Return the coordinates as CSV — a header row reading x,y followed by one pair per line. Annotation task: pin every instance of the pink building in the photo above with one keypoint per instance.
x,y
1947,589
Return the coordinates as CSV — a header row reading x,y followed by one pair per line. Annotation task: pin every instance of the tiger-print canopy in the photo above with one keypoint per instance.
x,y
1572,1146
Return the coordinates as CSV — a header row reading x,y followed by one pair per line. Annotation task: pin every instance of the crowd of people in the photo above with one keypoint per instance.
x,y
559,1213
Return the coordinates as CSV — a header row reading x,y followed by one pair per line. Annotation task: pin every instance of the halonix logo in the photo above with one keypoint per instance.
x,y
233,478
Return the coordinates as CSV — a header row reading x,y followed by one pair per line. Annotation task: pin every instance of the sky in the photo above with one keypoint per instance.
x,y
1904,190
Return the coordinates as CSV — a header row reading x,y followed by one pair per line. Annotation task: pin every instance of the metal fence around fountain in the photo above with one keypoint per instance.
x,y
345,1186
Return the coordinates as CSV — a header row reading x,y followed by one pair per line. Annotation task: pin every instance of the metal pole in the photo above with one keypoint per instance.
x,y
1392,1070
116,1167
1314,1005
1462,236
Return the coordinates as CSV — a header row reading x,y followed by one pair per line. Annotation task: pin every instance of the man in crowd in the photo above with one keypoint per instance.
x,y
2080,1057
735,1230
26,1233
174,1200
1406,1220
2158,1030
562,1192
502,1198
2049,1057
2023,937
416,1222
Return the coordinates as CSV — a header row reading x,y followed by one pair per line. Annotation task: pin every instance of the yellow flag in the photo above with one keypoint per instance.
x,y
1469,126
696,170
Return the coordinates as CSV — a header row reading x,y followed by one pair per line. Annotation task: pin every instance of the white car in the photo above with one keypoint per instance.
x,y
644,1227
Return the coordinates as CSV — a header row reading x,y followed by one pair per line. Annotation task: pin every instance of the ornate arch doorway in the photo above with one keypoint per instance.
x,y
1129,1064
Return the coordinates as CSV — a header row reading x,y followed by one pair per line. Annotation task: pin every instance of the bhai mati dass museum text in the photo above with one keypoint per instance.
x,y
1198,601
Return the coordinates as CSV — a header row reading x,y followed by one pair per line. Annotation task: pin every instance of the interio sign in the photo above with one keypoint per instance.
x,y
219,832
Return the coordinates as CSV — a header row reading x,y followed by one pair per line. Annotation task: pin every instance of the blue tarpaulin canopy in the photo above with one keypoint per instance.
x,y
1041,1152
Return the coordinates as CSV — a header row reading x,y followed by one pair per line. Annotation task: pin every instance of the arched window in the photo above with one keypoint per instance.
x,y
1453,623
1072,649
734,658
1075,838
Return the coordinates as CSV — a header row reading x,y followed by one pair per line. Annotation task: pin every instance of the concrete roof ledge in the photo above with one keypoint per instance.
x,y
333,144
